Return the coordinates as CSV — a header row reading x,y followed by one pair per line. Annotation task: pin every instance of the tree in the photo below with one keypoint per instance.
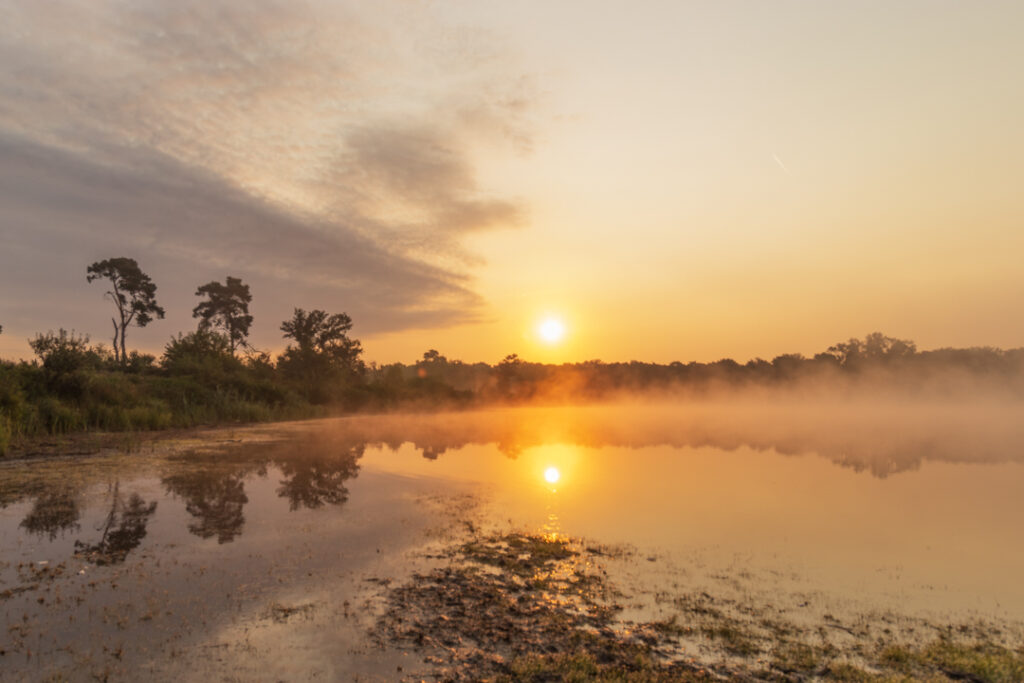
x,y
433,356
508,374
134,294
226,308
324,335
875,347
323,353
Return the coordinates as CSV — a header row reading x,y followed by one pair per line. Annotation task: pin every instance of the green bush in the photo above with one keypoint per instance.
x,y
5,434
57,417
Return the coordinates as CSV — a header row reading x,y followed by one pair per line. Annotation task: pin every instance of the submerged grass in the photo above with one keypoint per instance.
x,y
522,607
970,661
581,666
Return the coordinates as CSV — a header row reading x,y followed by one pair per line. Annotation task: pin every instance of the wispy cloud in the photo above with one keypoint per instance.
x,y
320,149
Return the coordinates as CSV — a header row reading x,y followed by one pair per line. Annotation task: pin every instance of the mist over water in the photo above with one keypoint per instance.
x,y
841,507
878,435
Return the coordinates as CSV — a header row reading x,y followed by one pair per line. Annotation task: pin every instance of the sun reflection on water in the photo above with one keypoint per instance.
x,y
551,531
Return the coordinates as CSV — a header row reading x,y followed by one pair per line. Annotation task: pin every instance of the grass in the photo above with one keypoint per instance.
x,y
794,657
578,667
983,661
732,638
113,401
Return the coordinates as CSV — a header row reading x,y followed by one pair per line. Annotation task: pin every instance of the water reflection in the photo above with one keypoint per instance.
x,y
313,470
313,480
431,452
123,529
878,438
314,467
314,463
214,499
54,511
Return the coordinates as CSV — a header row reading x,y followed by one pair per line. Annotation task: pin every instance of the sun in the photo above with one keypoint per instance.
x,y
552,475
551,330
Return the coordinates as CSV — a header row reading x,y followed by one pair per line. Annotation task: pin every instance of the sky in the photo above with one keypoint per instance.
x,y
669,180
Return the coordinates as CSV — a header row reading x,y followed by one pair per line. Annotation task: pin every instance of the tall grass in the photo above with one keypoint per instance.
x,y
36,401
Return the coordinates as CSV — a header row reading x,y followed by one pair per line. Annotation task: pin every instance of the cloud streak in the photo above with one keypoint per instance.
x,y
300,145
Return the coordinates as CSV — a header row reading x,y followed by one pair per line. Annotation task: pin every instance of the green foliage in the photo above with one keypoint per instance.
x,y
202,351
62,353
984,661
206,382
227,309
6,432
65,357
199,380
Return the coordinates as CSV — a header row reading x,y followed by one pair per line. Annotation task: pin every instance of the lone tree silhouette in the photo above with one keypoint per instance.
x,y
227,309
322,335
134,294
323,353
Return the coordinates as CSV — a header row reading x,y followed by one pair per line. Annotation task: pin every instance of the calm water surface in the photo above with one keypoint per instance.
x,y
263,550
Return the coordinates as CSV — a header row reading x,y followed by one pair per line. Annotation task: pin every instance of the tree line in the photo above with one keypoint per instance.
x,y
213,374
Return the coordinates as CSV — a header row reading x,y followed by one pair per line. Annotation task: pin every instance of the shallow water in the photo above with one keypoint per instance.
x,y
264,551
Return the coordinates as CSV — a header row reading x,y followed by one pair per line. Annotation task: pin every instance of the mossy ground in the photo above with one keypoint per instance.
x,y
523,607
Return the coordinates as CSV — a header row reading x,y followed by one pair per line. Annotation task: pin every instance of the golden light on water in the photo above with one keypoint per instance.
x,y
552,475
551,330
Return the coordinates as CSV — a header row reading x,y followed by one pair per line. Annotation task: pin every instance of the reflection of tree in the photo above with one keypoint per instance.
x,y
313,480
431,452
510,450
214,499
123,529
54,510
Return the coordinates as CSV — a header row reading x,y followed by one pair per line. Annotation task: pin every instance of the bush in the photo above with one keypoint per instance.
x,y
140,362
65,356
6,432
199,352
65,352
56,417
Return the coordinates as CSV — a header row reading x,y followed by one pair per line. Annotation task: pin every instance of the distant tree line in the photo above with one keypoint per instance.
x,y
876,362
213,374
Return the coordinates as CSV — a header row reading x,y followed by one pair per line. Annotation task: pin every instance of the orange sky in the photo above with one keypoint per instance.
x,y
673,180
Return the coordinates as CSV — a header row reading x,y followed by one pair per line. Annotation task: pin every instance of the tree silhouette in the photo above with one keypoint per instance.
x,y
226,308
315,479
323,351
123,529
215,499
54,511
134,294
875,347
508,373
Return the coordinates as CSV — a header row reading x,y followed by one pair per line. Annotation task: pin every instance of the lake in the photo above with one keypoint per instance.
x,y
718,537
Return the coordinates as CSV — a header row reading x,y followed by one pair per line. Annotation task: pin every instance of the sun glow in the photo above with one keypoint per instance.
x,y
551,330
552,475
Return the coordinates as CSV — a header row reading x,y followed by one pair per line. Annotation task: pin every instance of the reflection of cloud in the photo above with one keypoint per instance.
x,y
257,139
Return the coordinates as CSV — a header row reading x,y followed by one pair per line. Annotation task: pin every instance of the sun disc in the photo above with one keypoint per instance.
x,y
552,330
552,475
